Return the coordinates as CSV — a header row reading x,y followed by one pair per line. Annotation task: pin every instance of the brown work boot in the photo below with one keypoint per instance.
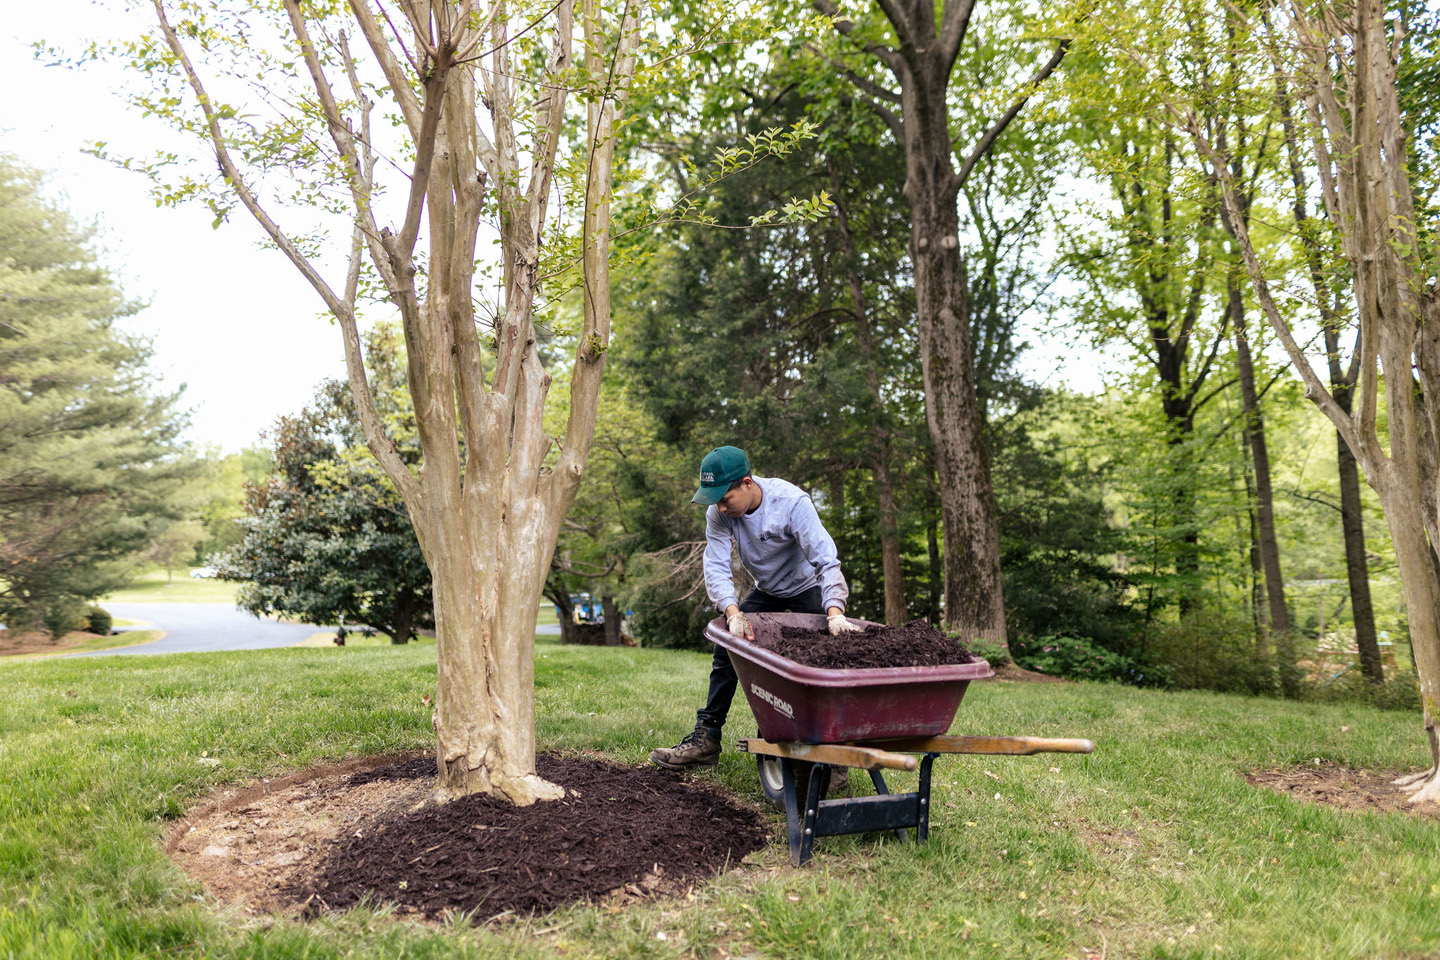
x,y
700,749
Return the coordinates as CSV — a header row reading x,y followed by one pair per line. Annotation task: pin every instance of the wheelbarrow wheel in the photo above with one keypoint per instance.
x,y
772,781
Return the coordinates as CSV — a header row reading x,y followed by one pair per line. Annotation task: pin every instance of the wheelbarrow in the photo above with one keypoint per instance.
x,y
815,720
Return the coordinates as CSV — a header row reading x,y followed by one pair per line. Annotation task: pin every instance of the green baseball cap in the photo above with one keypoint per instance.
x,y
720,468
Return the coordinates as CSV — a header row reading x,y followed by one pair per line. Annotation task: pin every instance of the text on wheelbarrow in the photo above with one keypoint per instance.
x,y
773,700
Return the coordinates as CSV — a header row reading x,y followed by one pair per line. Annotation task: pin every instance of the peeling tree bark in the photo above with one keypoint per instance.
x,y
486,511
1360,156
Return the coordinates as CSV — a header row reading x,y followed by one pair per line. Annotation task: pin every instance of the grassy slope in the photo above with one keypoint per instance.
x,y
1154,841
179,587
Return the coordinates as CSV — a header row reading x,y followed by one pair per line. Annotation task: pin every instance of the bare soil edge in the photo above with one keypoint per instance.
x,y
1345,788
234,798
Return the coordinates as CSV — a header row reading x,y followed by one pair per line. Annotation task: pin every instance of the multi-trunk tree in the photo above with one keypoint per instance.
x,y
477,133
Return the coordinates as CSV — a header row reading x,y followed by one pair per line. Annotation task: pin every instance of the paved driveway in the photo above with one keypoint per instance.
x,y
205,627
202,628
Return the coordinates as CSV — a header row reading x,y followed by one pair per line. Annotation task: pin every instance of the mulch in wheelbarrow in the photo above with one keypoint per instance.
x,y
913,644
618,828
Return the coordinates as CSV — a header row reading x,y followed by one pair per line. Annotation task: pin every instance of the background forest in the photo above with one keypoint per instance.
x,y
1193,523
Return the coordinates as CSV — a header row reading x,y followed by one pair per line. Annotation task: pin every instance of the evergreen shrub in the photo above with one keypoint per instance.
x,y
1081,659
64,616
98,621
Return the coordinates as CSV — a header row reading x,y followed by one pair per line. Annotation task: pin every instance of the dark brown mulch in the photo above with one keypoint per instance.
x,y
617,828
913,644
588,634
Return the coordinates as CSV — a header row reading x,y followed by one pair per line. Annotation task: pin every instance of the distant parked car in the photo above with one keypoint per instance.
x,y
203,573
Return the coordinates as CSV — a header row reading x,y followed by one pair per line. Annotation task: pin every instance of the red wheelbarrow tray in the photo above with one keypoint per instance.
x,y
800,704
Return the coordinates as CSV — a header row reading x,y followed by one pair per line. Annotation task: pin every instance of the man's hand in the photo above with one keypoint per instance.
x,y
839,625
740,625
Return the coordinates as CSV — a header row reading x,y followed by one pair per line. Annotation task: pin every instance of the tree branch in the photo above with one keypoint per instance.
x,y
380,443
885,54
998,127
394,77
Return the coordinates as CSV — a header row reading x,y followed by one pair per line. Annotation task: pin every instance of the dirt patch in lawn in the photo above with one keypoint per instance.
x,y
913,644
333,836
1018,674
1335,786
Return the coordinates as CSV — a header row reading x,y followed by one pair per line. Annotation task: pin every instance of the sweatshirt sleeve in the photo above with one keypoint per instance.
x,y
819,548
719,583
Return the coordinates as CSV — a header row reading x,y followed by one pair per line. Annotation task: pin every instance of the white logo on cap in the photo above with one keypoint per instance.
x,y
707,478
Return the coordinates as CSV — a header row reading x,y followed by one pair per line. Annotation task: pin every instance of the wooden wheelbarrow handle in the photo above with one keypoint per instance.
x,y
836,754
1002,746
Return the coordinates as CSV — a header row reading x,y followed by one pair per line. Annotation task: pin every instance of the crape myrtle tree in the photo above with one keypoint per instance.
x,y
1343,62
478,95
477,103
91,468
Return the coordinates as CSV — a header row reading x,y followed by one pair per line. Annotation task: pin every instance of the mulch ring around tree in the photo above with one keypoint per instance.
x,y
913,644
1332,785
334,837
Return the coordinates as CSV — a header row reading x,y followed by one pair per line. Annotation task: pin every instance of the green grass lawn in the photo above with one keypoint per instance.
x,y
155,586
1152,847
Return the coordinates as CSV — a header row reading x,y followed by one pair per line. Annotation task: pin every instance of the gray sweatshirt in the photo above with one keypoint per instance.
x,y
782,544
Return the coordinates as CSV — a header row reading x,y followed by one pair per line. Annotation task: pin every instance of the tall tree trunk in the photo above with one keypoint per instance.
x,y
889,542
1258,606
1357,566
974,606
401,630
612,620
1342,387
937,570
556,593
1180,417
1279,613
879,427
922,62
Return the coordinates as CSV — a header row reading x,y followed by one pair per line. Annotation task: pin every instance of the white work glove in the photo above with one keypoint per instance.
x,y
740,626
838,625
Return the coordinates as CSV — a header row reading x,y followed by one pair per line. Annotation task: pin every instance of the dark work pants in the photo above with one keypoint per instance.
x,y
722,671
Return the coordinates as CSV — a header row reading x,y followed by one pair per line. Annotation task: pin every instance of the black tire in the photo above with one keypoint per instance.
x,y
772,783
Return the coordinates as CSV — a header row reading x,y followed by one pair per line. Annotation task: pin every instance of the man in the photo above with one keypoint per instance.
x,y
792,558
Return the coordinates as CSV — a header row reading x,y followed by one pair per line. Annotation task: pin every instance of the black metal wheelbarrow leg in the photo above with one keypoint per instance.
x,y
810,817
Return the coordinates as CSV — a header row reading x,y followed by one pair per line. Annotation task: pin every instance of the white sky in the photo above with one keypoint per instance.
x,y
235,323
